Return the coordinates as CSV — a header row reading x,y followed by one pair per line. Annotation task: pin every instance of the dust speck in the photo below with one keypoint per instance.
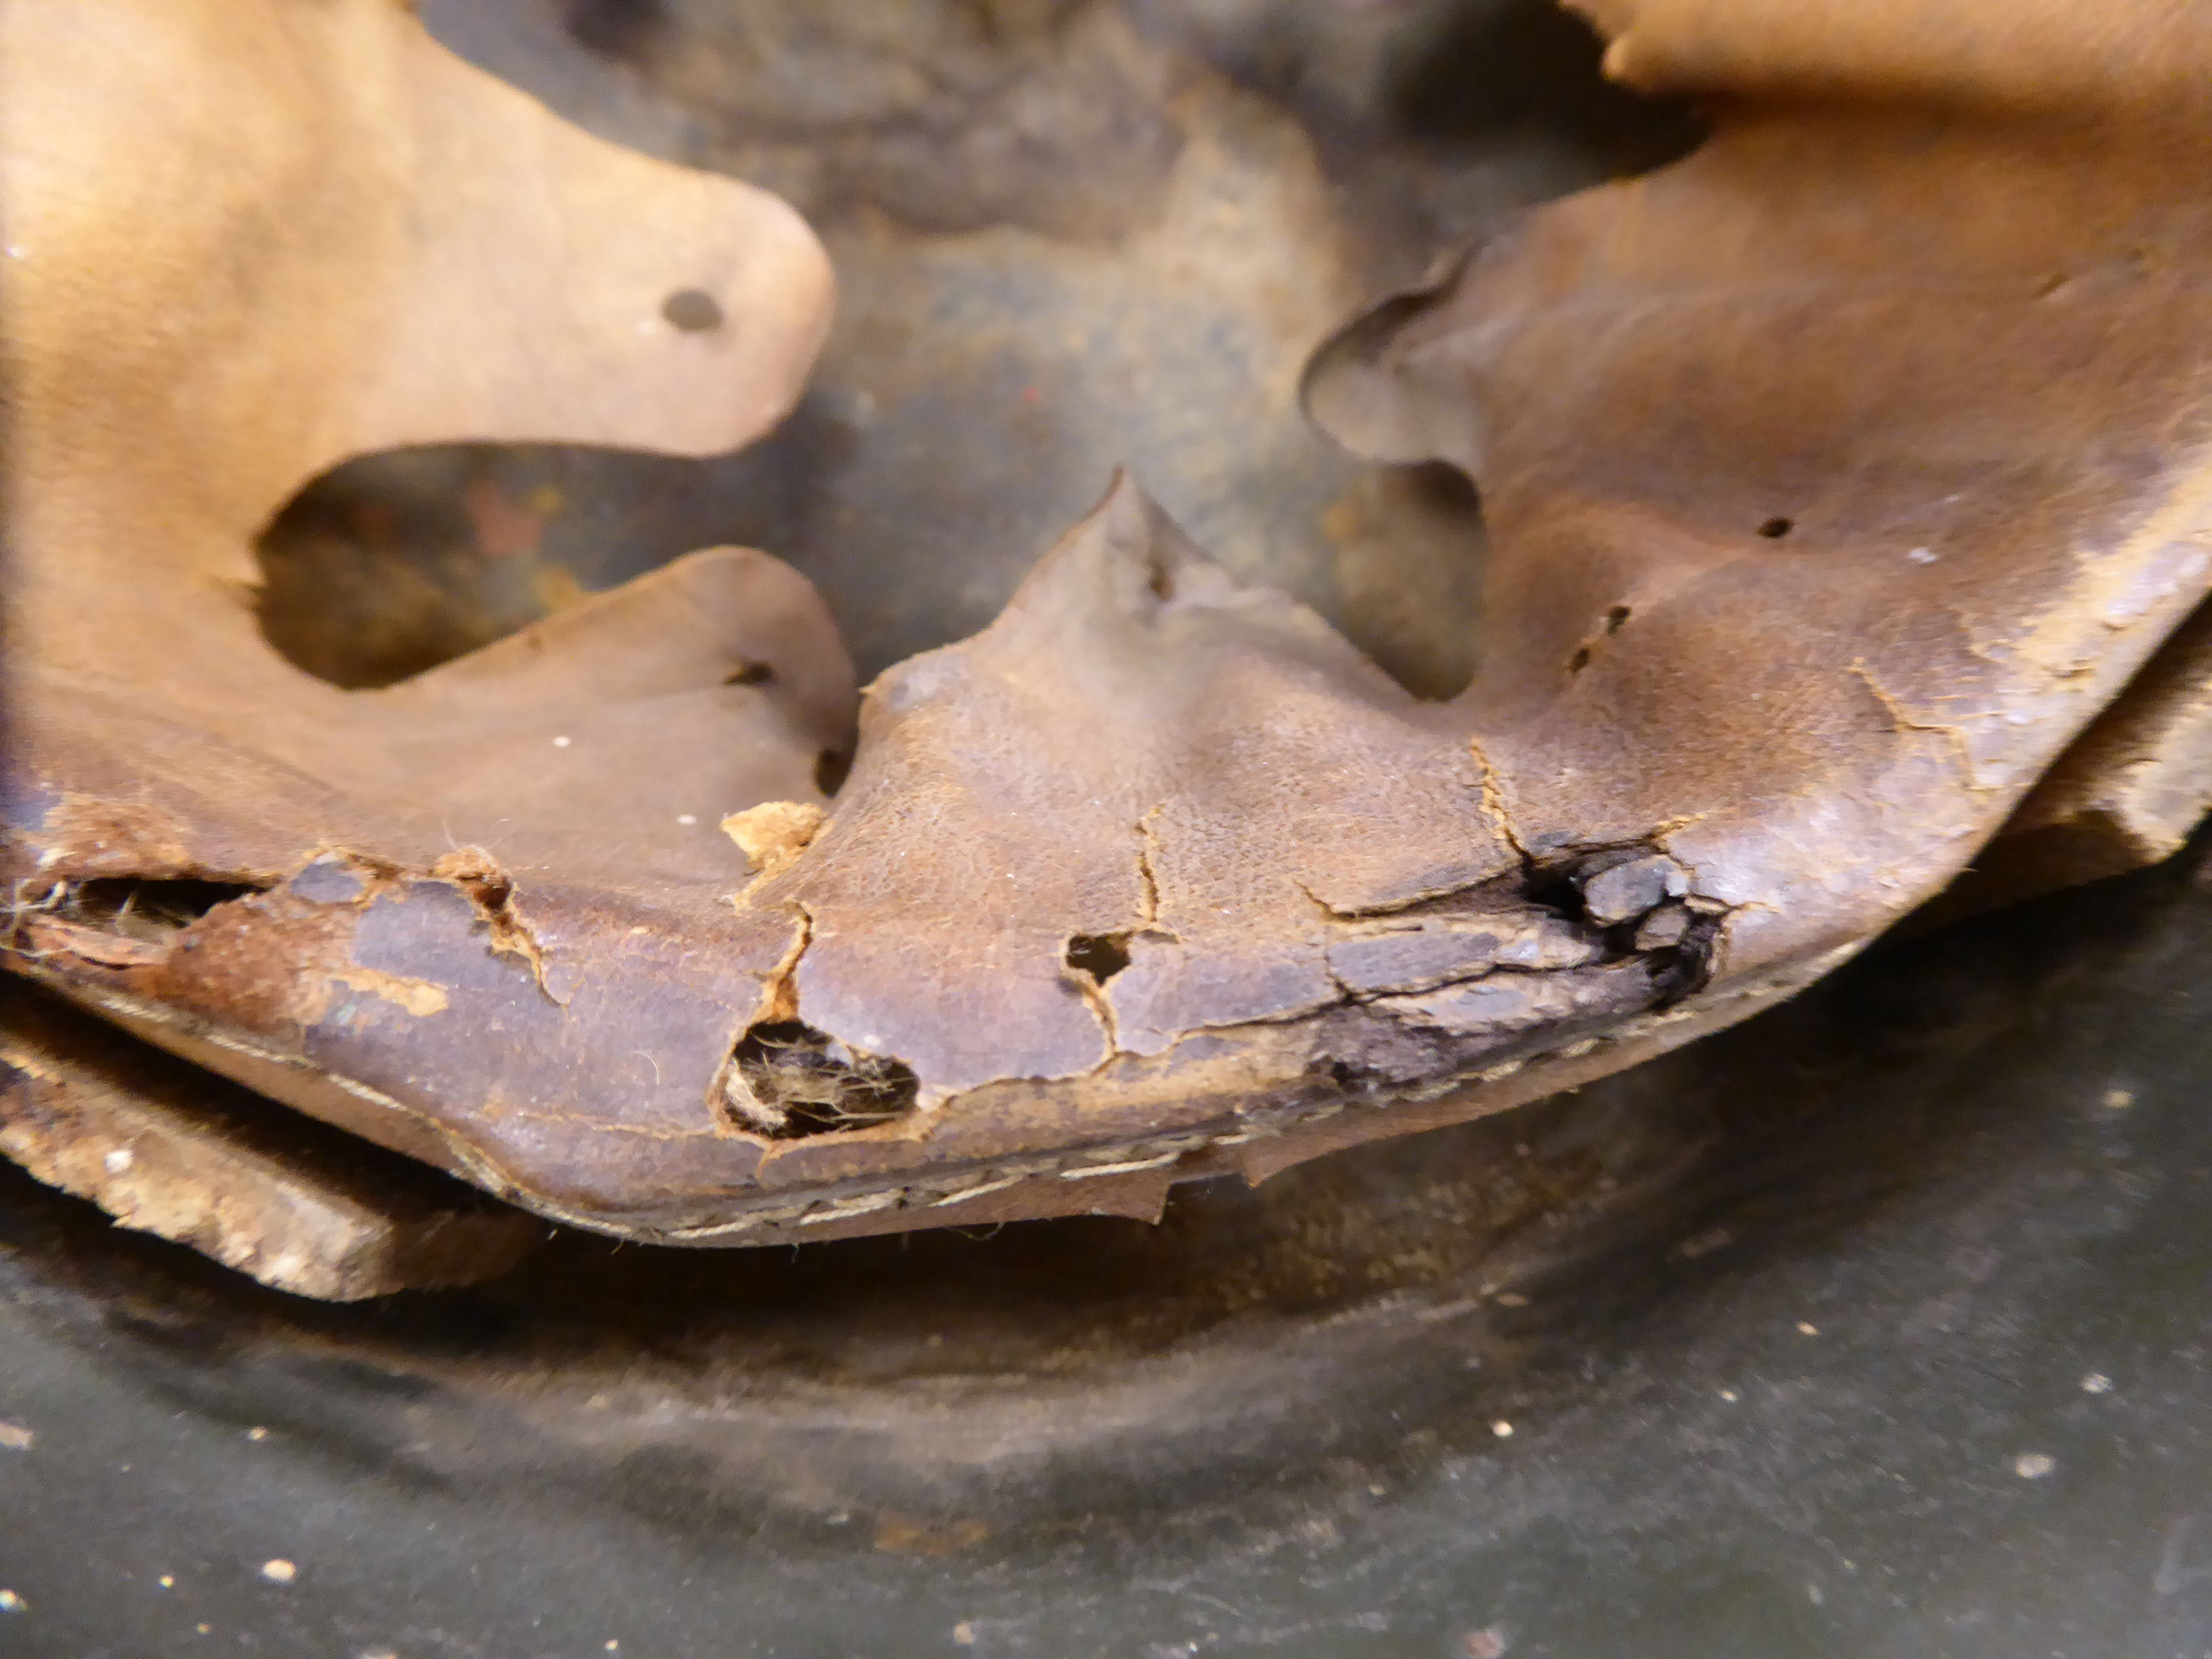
x,y
11,1602
2033,1465
257,1434
1807,1327
1728,1394
14,1436
118,1160
2096,1382
964,1634
560,743
279,1570
2119,1100
687,819
1502,1429
1484,1644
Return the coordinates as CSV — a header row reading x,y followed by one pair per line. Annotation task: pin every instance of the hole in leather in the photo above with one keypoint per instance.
x,y
692,310
1614,617
786,1079
1580,660
149,910
831,768
1101,956
751,673
113,922
1775,529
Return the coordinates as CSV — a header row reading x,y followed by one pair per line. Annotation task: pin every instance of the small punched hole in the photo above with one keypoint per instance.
x,y
693,310
1775,529
831,768
751,673
1101,956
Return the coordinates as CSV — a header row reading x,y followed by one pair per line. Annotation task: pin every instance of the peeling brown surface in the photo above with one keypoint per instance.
x,y
773,834
1835,479
2126,794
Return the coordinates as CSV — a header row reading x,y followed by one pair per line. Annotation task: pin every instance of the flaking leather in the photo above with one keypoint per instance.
x,y
1837,478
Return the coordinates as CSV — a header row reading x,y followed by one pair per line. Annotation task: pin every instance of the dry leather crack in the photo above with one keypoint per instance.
x,y
1496,912
1900,720
959,1186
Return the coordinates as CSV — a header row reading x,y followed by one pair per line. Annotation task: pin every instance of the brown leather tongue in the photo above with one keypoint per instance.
x,y
1837,478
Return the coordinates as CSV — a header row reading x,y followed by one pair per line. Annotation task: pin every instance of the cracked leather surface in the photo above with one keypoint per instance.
x,y
1836,476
